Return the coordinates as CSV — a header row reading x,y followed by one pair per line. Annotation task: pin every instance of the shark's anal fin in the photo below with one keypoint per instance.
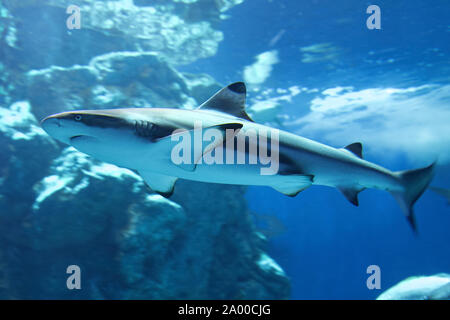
x,y
355,148
162,184
293,184
351,193
230,99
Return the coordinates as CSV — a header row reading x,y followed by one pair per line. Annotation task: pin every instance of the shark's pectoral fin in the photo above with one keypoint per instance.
x,y
220,141
183,150
293,184
351,193
160,183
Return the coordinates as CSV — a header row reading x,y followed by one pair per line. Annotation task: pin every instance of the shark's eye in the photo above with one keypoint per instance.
x,y
78,117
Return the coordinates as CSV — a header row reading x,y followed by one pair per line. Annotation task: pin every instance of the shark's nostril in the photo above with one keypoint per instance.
x,y
55,121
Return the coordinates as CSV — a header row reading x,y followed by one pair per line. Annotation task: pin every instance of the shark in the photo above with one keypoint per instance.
x,y
146,139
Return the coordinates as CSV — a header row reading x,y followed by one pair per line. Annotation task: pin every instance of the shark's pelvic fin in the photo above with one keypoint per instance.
x,y
162,184
293,184
351,193
230,99
355,148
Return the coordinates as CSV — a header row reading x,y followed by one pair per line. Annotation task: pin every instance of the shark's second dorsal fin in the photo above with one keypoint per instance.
x,y
230,99
355,148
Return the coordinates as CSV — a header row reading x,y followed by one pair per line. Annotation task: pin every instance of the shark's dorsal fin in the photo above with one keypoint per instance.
x,y
355,148
230,99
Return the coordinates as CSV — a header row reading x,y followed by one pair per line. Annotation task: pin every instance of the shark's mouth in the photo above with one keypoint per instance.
x,y
83,142
82,137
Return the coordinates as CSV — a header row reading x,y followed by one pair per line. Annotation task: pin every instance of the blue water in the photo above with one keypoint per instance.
x,y
408,29
328,244
387,88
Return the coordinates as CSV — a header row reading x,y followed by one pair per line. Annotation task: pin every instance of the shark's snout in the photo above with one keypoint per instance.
x,y
58,128
50,122
52,125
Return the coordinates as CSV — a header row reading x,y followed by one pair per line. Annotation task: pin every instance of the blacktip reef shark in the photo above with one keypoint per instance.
x,y
143,139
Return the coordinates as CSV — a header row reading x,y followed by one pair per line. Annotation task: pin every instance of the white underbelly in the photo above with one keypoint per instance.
x,y
241,174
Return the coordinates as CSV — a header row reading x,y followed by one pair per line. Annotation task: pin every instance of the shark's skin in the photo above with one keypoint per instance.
x,y
140,139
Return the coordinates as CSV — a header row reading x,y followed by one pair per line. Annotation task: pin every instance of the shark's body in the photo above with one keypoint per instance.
x,y
144,140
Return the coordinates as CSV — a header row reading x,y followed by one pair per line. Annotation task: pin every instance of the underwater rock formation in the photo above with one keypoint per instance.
x,y
27,151
75,186
166,242
180,31
119,79
8,41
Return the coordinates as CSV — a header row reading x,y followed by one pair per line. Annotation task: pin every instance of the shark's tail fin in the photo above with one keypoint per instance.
x,y
414,182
